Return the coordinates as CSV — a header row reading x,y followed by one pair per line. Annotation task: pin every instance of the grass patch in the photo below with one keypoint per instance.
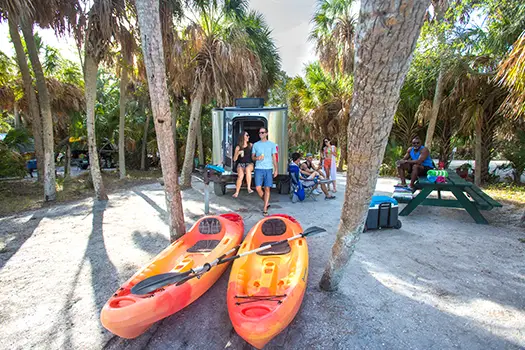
x,y
27,194
507,193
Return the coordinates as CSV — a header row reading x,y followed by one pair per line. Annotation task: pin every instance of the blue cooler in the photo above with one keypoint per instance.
x,y
382,213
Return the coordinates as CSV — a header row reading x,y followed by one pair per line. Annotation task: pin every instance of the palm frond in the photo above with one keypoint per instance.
x,y
511,75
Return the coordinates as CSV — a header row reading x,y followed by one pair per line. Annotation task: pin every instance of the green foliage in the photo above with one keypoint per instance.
x,y
107,108
262,43
334,29
12,164
514,152
17,139
278,94
393,153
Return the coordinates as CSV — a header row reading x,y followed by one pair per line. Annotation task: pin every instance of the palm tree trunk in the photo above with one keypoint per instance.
x,y
45,109
149,23
90,82
195,118
387,34
122,118
174,125
34,109
438,97
18,120
144,150
67,160
200,147
478,147
344,153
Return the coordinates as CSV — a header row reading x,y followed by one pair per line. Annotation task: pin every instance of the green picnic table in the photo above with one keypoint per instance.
x,y
468,196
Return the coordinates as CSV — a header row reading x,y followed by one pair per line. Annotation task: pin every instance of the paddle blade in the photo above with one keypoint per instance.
x,y
153,283
313,230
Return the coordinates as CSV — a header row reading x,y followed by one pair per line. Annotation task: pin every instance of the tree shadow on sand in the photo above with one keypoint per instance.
x,y
150,242
163,214
104,274
11,242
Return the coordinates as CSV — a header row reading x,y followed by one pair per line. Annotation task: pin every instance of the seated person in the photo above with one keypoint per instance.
x,y
309,181
309,170
416,161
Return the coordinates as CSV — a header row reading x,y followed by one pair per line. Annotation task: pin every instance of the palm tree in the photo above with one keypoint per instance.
x,y
150,30
220,54
321,102
511,75
127,46
59,15
262,43
103,21
440,8
34,110
334,33
26,24
387,34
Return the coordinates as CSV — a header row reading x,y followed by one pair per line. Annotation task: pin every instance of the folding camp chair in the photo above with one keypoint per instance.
x,y
298,184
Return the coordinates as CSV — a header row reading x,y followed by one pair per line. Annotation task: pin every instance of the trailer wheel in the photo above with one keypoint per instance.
x,y
219,188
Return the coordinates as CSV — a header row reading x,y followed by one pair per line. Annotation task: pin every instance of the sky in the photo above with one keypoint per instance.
x,y
289,20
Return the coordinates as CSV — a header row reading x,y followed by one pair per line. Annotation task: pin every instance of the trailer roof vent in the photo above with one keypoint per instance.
x,y
249,102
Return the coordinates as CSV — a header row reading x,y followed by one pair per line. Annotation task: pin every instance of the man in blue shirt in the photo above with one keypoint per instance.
x,y
264,154
416,161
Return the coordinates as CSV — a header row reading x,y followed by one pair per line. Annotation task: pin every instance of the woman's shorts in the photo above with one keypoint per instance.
x,y
243,165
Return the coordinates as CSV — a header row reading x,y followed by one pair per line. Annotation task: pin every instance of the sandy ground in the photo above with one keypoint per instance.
x,y
440,282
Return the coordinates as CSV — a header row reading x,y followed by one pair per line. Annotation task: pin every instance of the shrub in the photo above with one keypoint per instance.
x,y
12,164
514,152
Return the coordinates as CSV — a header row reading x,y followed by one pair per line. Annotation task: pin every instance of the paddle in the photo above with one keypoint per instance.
x,y
153,283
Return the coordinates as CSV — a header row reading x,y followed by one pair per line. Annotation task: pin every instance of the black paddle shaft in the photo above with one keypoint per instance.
x,y
308,231
153,283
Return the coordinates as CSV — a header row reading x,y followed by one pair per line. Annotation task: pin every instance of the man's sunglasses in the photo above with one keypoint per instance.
x,y
416,143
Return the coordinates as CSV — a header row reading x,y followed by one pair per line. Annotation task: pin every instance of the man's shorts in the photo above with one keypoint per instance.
x,y
264,177
423,173
425,170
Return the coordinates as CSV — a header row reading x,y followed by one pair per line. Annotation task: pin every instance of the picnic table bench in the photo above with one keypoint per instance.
x,y
468,196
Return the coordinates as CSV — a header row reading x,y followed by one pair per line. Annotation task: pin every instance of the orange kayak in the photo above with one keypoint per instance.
x,y
266,289
128,315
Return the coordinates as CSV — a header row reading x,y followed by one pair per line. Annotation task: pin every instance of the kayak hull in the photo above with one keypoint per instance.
x,y
128,315
265,290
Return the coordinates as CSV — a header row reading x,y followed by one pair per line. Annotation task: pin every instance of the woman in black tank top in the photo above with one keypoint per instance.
x,y
243,157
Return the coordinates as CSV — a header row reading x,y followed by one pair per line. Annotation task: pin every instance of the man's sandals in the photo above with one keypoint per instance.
x,y
265,212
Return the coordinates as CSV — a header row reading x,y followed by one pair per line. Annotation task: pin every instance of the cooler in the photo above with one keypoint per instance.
x,y
382,213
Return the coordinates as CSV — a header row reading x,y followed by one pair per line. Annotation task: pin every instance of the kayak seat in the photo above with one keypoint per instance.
x,y
210,226
204,246
280,249
273,227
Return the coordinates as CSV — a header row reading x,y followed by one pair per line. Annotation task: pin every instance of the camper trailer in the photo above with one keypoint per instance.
x,y
249,114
